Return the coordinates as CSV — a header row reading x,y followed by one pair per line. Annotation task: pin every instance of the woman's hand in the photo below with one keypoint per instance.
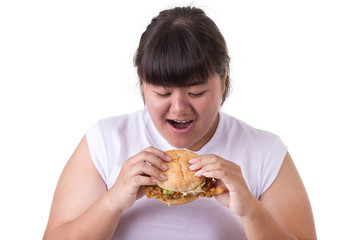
x,y
228,174
142,169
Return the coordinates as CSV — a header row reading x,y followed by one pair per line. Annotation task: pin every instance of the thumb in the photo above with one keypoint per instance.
x,y
140,193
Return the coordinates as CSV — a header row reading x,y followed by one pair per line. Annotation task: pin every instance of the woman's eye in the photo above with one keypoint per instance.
x,y
196,94
163,94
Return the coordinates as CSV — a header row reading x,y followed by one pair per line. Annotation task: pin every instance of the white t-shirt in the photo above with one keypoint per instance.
x,y
259,154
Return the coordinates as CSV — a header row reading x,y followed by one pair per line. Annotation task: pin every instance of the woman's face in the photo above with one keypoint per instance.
x,y
186,117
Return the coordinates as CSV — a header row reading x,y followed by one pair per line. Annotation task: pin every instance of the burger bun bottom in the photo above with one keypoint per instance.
x,y
179,201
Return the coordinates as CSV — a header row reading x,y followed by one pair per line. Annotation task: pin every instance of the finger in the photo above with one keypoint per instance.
x,y
209,166
203,165
230,180
149,158
145,169
217,174
134,183
160,154
200,161
153,160
219,167
142,180
195,164
141,192
219,183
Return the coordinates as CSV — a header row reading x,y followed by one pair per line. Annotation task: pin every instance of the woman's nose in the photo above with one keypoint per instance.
x,y
179,104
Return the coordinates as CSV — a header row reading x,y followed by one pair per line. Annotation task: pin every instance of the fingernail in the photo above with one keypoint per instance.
x,y
206,174
164,166
162,176
198,173
168,158
192,167
192,160
155,180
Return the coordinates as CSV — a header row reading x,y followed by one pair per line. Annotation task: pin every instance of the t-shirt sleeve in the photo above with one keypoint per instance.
x,y
97,149
272,164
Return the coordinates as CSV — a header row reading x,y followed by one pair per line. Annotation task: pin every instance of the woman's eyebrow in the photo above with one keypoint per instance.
x,y
196,83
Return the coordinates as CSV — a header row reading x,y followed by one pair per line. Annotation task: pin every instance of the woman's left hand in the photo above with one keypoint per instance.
x,y
229,175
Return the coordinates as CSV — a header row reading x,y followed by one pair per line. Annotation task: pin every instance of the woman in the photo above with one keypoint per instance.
x,y
183,67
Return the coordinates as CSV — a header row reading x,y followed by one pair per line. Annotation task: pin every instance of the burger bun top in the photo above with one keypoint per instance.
x,y
179,177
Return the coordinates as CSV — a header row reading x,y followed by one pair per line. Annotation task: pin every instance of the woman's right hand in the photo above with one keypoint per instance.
x,y
143,168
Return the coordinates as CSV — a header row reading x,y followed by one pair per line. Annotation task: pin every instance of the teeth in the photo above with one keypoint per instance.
x,y
180,121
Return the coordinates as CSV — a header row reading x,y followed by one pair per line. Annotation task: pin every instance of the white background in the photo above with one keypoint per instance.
x,y
65,64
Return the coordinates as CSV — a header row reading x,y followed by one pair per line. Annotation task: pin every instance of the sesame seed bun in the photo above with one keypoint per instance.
x,y
179,177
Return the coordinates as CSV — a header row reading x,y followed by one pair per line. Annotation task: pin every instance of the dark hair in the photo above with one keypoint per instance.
x,y
180,47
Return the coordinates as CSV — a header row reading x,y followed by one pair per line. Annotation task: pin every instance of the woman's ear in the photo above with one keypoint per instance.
x,y
142,92
223,80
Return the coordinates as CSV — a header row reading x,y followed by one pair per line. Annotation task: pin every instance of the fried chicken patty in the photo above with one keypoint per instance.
x,y
208,190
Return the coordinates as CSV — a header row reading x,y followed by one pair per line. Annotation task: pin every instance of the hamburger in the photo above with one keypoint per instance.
x,y
182,186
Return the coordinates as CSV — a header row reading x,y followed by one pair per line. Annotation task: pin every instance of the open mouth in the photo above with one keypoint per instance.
x,y
180,124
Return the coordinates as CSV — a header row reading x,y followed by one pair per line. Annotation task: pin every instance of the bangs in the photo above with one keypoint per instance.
x,y
175,59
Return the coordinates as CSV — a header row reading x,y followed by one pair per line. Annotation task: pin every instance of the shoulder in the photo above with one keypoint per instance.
x,y
111,133
246,133
112,140
124,120
259,153
116,125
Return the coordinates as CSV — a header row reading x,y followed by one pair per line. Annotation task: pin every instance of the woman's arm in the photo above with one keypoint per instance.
x,y
287,202
80,209
283,211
